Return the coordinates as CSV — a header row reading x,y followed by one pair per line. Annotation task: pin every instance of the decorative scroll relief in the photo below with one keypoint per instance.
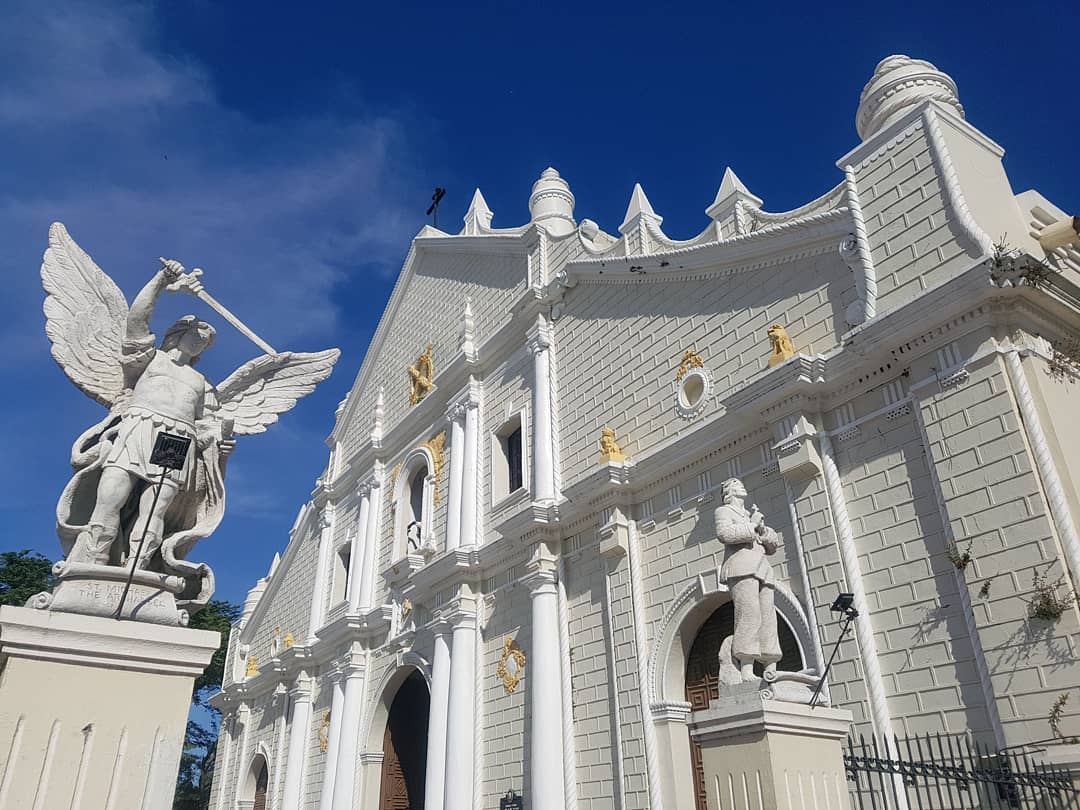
x,y
324,733
437,445
252,667
421,374
511,665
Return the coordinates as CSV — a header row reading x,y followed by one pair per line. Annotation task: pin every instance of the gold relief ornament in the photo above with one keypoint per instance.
x,y
252,667
609,450
691,359
420,376
406,609
289,641
511,665
324,733
394,474
782,347
437,445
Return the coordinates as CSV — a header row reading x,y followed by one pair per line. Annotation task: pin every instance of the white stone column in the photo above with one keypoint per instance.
x,y
437,717
359,544
457,467
545,698
461,715
542,449
243,720
347,762
322,571
371,542
281,727
299,729
469,477
337,710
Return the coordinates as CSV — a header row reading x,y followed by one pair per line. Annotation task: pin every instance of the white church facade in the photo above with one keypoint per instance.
x,y
508,577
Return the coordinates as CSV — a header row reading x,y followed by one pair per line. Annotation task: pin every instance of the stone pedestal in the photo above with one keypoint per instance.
x,y
766,754
92,709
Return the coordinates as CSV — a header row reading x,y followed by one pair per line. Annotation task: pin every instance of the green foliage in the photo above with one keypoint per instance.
x,y
1047,602
200,740
218,616
22,574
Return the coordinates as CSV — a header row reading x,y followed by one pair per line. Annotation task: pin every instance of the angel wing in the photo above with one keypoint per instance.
x,y
259,391
85,314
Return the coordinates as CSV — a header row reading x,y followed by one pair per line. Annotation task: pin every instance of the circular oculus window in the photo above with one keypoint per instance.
x,y
694,391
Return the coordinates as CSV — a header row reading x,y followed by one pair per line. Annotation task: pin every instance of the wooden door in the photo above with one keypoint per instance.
x,y
261,780
394,792
405,747
703,681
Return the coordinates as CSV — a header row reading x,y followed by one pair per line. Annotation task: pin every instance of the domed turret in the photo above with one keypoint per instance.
x,y
900,83
552,203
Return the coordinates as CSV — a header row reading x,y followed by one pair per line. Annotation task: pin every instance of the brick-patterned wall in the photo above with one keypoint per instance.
x,y
995,503
506,718
290,606
931,681
619,345
594,716
912,242
431,310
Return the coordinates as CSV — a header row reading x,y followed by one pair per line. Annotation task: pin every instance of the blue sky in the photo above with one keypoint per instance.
x,y
290,150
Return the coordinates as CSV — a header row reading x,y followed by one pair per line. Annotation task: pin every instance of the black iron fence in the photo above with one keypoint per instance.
x,y
941,773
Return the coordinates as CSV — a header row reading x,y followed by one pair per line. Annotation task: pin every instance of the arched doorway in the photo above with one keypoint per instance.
x,y
255,784
703,674
405,747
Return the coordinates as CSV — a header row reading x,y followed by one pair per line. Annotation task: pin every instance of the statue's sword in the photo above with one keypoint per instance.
x,y
215,305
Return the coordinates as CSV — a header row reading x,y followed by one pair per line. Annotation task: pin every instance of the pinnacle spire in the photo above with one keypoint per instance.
x,y
638,208
478,217
731,189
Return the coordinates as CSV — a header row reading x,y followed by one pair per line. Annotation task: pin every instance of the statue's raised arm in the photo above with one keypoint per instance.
x,y
119,500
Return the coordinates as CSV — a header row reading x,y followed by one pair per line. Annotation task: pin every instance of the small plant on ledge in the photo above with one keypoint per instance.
x,y
1047,603
1014,268
959,559
1057,713
1065,364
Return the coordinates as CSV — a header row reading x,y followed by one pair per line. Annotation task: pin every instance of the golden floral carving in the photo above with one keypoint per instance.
x,y
782,347
324,733
394,474
252,667
406,609
691,359
289,641
511,665
420,377
609,449
437,445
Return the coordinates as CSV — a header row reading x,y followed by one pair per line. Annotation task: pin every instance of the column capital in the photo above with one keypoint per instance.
x,y
461,612
326,516
300,691
538,338
363,489
541,581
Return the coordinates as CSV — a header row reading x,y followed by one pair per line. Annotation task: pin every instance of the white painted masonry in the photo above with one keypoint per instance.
x,y
919,420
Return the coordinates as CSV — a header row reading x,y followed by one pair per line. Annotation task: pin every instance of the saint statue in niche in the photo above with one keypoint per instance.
x,y
750,578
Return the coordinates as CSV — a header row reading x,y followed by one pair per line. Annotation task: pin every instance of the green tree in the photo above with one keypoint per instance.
x,y
200,741
22,574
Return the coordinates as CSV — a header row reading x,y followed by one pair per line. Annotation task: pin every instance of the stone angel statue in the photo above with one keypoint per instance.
x,y
109,352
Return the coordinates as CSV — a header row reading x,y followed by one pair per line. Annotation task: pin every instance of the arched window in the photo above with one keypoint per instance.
x,y
413,504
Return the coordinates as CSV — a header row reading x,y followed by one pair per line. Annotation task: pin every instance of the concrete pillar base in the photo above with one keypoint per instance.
x,y
764,754
93,710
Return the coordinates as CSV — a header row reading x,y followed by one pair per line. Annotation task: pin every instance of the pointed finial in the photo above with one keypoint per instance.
x,y
478,217
731,190
552,203
467,335
380,413
639,208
